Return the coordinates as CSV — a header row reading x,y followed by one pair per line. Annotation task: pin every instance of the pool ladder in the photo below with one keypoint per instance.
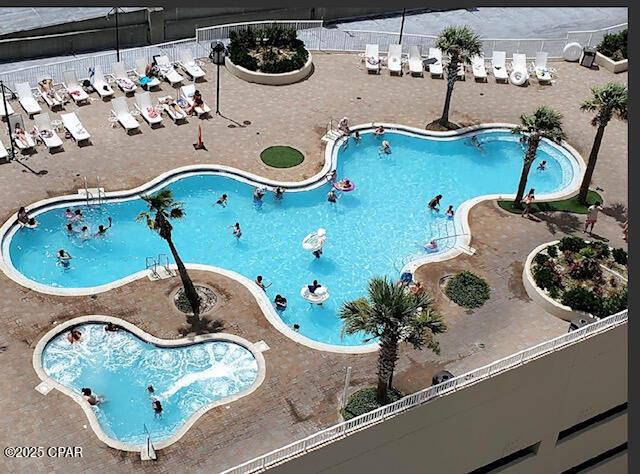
x,y
89,195
148,453
160,262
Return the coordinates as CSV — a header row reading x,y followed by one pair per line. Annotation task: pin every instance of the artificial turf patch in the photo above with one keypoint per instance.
x,y
281,156
565,205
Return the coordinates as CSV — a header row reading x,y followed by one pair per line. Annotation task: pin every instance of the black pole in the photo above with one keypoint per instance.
x,y
4,103
402,26
218,90
117,36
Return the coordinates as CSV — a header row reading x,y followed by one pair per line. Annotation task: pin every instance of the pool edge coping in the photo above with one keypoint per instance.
x,y
319,179
145,336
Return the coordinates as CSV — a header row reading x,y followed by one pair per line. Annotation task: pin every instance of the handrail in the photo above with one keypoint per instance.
x,y
424,396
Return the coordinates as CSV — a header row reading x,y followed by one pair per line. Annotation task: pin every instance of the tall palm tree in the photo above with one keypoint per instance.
x,y
393,315
165,208
459,44
544,123
606,100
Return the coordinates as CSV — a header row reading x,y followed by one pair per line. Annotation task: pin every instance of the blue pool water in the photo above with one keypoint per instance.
x,y
372,231
119,367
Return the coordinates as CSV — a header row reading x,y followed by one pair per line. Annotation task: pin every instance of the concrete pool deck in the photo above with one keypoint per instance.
x,y
301,388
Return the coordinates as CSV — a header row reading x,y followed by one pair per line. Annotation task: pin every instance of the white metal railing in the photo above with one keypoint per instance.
x,y
363,421
593,37
221,32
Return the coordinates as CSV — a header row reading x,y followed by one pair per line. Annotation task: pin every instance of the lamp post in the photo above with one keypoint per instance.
x,y
217,56
116,10
4,104
402,25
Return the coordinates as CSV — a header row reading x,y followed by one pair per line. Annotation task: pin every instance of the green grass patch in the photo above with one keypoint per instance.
x,y
281,156
364,401
565,205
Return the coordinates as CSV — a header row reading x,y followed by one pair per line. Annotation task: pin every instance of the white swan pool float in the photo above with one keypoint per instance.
x,y
315,240
320,296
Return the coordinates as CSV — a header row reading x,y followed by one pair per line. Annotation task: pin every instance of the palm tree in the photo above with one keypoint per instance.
x,y
393,315
165,208
606,100
544,123
459,44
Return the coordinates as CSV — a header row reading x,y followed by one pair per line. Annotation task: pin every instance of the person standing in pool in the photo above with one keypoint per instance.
x,y
475,142
64,257
110,327
450,212
237,232
542,166
102,229
331,177
434,204
280,302
356,137
77,216
157,407
258,194
74,336
385,147
222,200
278,193
332,197
23,216
260,283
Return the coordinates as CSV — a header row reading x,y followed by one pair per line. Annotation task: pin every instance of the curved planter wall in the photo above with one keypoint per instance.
x,y
270,79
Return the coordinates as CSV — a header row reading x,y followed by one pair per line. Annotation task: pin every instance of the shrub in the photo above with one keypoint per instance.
x,y
620,256
573,244
600,249
541,259
588,252
614,303
467,290
614,45
364,401
547,279
582,299
552,251
585,269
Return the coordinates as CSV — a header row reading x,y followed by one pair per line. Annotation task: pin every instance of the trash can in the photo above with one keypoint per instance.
x,y
441,376
578,323
588,56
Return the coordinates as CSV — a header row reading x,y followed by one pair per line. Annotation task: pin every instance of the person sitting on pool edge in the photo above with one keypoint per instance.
x,y
23,216
434,204
280,302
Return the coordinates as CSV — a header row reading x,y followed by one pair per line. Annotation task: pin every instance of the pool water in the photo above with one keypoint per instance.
x,y
119,367
372,231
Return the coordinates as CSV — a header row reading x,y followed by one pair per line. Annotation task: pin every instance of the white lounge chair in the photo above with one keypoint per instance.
x,y
540,67
173,110
519,72
167,71
478,67
462,72
100,85
42,124
189,65
499,66
147,110
394,59
416,67
435,68
52,98
73,88
146,83
9,110
27,144
26,99
121,111
372,59
119,73
187,92
3,152
73,125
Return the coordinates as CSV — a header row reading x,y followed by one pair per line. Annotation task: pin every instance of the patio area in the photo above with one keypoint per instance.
x,y
302,387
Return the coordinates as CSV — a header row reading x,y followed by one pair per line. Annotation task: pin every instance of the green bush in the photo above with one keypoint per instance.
x,y
541,259
614,45
279,49
582,299
467,290
614,303
620,256
573,244
600,249
552,251
547,279
588,252
364,401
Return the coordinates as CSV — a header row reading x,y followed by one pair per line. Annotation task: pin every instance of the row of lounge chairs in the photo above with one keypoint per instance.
x,y
519,73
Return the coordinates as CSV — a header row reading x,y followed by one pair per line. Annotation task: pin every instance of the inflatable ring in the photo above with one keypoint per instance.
x,y
320,296
315,240
373,61
518,78
345,189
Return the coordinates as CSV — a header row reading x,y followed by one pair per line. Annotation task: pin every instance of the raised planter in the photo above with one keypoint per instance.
x,y
270,79
611,65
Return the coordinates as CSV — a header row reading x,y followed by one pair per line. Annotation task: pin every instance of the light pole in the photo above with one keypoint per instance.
x,y
117,10
402,25
217,56
4,104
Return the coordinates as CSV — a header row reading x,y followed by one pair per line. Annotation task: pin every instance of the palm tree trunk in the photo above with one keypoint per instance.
x,y
591,166
387,358
526,166
189,290
452,71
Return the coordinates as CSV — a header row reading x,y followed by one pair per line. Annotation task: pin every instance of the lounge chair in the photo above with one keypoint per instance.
x,y
121,111
462,72
9,111
173,110
73,88
145,81
499,66
119,73
187,93
167,71
519,72
147,110
73,125
42,124
394,59
98,82
478,67
372,58
3,152
540,67
435,68
26,99
416,67
52,98
189,65
23,145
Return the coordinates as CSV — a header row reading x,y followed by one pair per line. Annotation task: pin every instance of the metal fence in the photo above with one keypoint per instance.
x,y
593,37
363,421
221,32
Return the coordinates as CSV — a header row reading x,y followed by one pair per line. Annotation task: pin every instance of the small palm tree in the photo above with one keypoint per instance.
x,y
459,44
393,315
544,123
165,208
606,100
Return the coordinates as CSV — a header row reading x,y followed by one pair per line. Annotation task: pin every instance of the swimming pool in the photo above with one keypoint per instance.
x,y
375,230
188,379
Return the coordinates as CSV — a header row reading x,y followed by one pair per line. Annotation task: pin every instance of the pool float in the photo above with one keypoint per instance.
x,y
315,240
320,296
518,78
340,186
431,246
29,226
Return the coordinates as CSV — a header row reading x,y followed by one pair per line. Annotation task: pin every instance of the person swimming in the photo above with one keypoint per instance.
x,y
385,147
237,232
542,166
68,213
434,204
332,197
379,131
102,229
280,302
77,215
317,253
70,228
157,407
110,327
90,397
222,200
450,212
313,287
475,142
64,257
74,336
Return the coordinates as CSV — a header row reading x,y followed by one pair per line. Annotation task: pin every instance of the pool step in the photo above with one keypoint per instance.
x,y
331,135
